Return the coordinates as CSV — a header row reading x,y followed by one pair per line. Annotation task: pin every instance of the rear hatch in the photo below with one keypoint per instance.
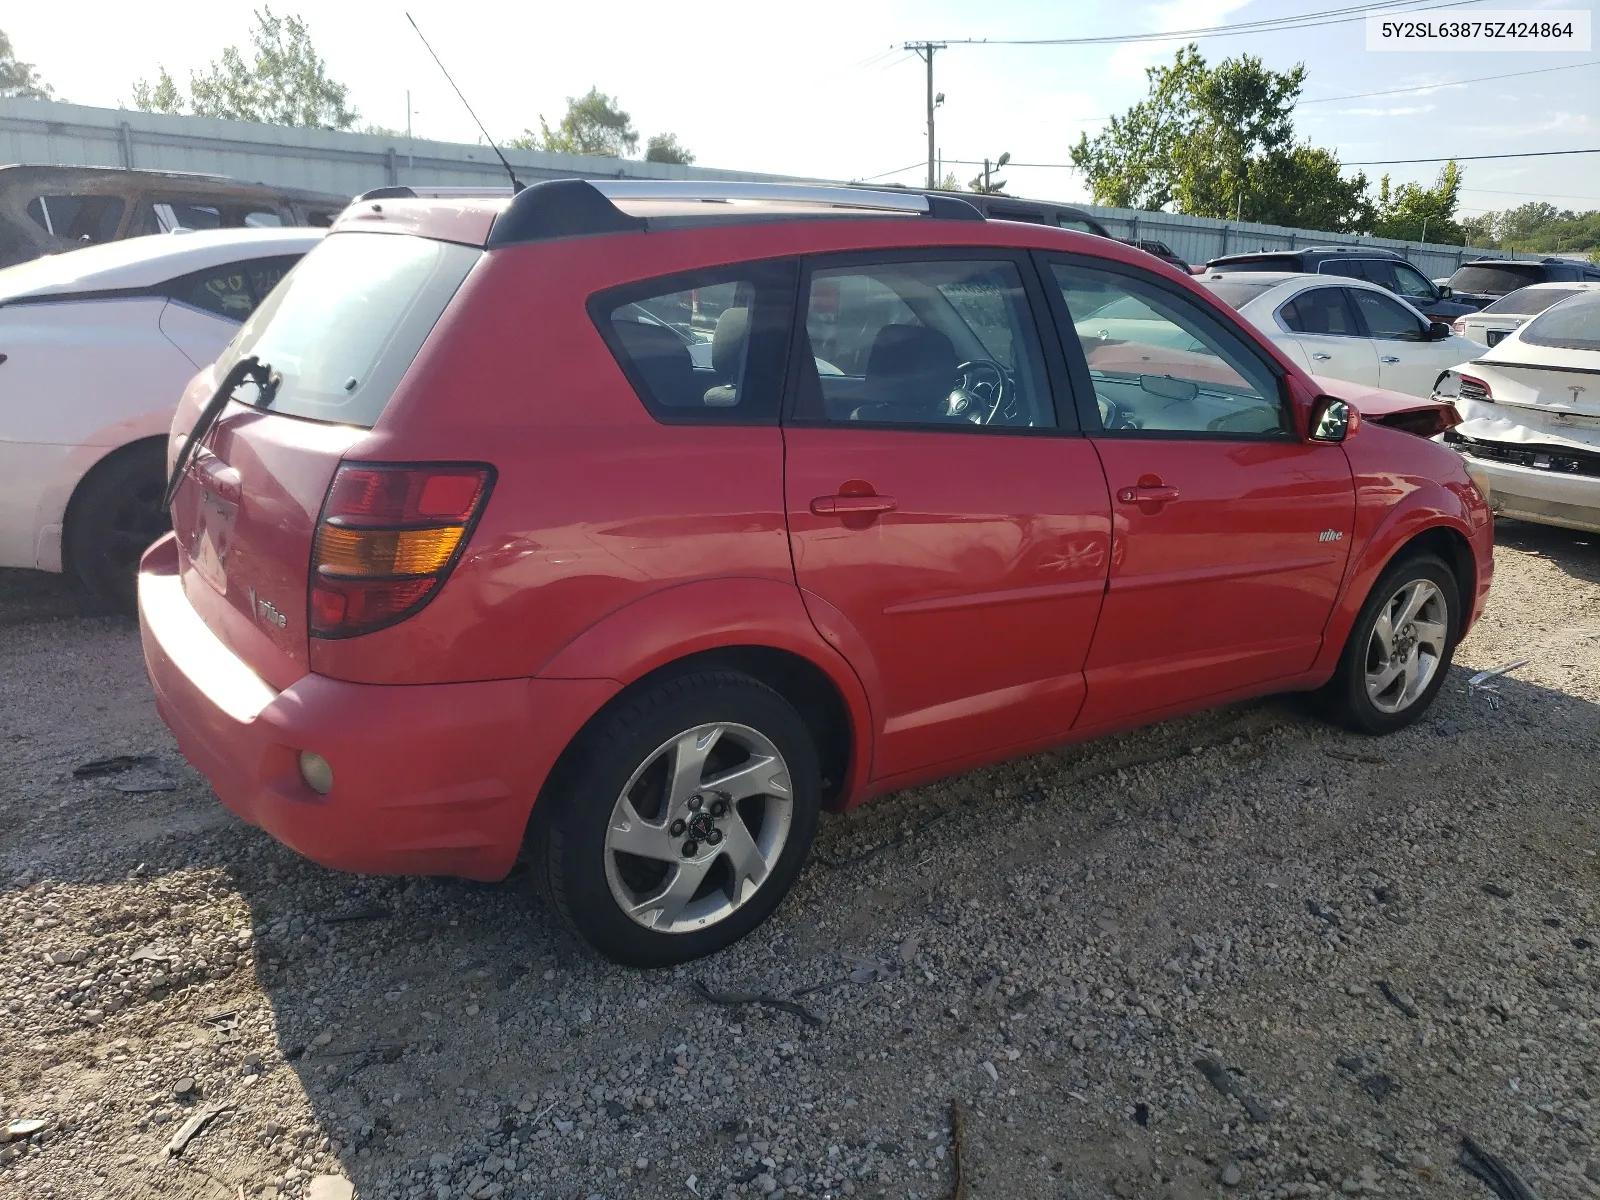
x,y
338,335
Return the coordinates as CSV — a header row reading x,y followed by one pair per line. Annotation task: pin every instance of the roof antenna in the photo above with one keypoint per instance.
x,y
516,184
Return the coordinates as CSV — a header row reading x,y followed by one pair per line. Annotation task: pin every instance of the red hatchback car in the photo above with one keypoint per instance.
x,y
629,525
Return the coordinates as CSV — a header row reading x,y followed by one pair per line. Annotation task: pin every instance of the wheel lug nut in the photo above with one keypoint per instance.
x,y
694,803
719,809
691,848
678,827
713,837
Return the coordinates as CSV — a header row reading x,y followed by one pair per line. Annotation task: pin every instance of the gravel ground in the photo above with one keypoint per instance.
x,y
1373,947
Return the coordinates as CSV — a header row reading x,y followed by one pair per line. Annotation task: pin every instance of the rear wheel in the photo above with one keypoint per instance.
x,y
114,517
1400,648
681,820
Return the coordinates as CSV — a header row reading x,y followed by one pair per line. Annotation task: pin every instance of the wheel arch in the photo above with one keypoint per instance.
x,y
72,513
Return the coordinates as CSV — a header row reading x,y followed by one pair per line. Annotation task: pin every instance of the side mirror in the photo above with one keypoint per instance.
x,y
1332,420
1438,331
1445,291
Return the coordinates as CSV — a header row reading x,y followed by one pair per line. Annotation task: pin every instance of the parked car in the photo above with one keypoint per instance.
x,y
1530,409
45,210
461,566
1160,249
1389,270
1489,325
95,349
1349,329
1484,281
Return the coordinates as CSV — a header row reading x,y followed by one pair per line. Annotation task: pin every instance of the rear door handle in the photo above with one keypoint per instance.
x,y
1145,494
844,506
1321,357
1388,358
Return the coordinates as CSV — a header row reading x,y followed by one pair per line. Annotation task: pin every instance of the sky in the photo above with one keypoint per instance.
x,y
824,89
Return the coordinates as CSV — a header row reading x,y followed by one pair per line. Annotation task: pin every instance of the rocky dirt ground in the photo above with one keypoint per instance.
x,y
1370,949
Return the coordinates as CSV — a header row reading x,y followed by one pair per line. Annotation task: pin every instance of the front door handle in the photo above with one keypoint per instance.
x,y
1388,358
1148,494
846,506
1321,357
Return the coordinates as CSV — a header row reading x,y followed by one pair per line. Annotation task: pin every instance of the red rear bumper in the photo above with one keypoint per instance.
x,y
430,779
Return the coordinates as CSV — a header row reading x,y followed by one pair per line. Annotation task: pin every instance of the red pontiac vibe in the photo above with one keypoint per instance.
x,y
629,525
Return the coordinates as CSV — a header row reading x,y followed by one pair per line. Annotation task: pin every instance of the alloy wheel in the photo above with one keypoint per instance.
x,y
1407,645
699,827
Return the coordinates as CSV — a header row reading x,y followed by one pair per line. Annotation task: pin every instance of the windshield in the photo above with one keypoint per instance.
x,y
1525,302
344,326
1573,324
1495,279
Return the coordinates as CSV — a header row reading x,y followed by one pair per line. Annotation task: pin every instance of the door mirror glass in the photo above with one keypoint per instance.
x,y
1446,291
1330,420
1438,331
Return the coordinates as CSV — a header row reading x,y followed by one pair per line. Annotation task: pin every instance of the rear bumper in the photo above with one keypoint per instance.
x,y
434,779
1544,497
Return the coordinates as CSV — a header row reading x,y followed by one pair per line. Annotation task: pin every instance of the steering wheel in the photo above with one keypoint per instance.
x,y
993,392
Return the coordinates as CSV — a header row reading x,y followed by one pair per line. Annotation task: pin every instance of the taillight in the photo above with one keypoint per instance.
x,y
1458,326
388,537
1473,388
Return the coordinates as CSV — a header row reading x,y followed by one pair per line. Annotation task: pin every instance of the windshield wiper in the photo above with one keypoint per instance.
x,y
245,368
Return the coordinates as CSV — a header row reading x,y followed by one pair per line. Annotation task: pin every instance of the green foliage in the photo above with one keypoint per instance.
x,y
1537,227
664,148
1418,214
948,184
1219,142
164,97
18,80
284,83
593,125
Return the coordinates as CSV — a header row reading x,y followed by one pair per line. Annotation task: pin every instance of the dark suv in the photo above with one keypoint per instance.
x,y
1382,267
1485,281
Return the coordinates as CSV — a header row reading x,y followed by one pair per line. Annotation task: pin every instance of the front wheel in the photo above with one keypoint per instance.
x,y
1400,648
682,819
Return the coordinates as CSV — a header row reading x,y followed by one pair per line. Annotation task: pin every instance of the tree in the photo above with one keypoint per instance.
x,y
948,184
593,125
1479,231
664,148
1219,142
1418,214
164,97
285,83
18,80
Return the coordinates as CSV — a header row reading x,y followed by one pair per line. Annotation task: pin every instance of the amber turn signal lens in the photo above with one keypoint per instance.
x,y
365,553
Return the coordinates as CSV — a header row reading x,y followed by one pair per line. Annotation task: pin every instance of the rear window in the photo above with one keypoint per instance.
x,y
1495,279
90,219
343,327
1525,302
1236,293
1574,325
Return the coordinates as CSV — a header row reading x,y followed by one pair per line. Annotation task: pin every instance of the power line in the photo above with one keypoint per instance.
x,y
1397,162
884,174
1311,20
1428,87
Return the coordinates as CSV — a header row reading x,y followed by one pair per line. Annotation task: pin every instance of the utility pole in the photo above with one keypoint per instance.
x,y
924,51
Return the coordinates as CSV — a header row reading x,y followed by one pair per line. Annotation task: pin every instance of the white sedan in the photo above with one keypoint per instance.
x,y
1344,328
96,346
1530,409
1491,323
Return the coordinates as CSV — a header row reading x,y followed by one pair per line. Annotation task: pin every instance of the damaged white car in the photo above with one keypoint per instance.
x,y
1530,417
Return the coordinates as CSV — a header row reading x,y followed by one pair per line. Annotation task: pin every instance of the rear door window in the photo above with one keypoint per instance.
x,y
706,347
343,328
1321,311
86,219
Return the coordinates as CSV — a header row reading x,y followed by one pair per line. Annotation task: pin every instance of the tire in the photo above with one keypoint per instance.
x,y
594,859
114,516
1372,690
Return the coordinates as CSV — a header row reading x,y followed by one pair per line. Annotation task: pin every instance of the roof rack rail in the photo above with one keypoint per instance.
x,y
574,207
427,192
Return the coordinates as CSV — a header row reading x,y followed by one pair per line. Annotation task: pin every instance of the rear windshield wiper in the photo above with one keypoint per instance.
x,y
245,368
